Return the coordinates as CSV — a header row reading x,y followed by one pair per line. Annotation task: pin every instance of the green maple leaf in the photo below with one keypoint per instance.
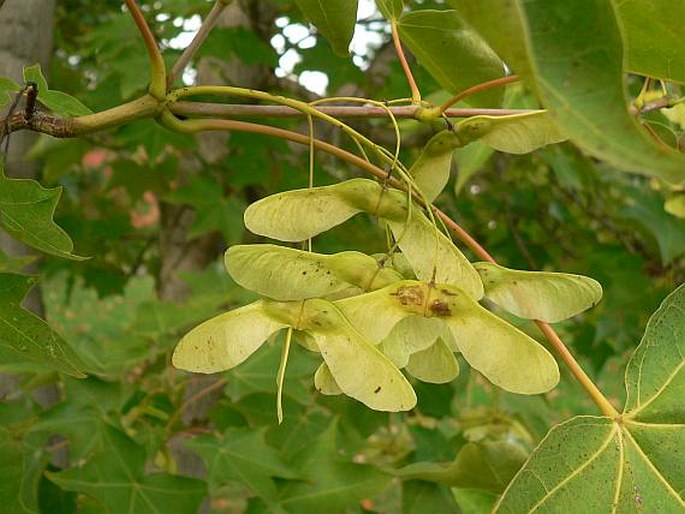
x,y
243,455
26,334
26,213
331,482
115,476
629,464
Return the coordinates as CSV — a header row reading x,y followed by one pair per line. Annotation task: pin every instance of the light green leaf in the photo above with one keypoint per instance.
x,y
515,133
390,9
58,102
26,213
245,456
359,369
436,364
605,468
540,295
27,335
652,32
446,46
300,214
288,274
629,464
655,376
324,381
433,256
431,170
335,19
226,340
489,465
572,54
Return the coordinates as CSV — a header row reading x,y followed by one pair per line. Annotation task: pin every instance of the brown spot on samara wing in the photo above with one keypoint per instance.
x,y
440,307
409,295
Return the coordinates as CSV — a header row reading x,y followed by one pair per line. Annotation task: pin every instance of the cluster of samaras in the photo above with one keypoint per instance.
x,y
371,316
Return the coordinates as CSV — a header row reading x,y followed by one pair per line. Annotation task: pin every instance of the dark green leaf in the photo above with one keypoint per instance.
x,y
647,209
115,476
335,19
12,470
26,212
242,455
446,46
331,483
27,334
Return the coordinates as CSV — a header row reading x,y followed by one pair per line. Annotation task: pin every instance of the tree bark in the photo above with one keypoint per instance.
x,y
25,39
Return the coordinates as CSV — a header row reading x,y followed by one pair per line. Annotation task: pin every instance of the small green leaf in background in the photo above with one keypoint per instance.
x,y
115,476
515,133
12,470
242,455
647,209
469,160
7,86
331,482
488,465
58,102
27,334
541,295
631,464
26,212
446,46
652,32
391,9
14,264
572,55
335,19
214,210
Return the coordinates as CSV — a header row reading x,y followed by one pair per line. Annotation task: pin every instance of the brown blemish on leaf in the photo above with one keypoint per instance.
x,y
440,307
377,390
447,292
409,295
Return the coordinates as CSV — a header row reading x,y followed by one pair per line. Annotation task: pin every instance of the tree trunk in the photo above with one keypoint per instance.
x,y
25,39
